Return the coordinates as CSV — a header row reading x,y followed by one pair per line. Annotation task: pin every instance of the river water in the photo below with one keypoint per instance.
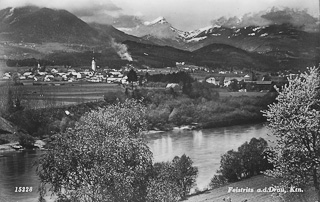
x,y
204,147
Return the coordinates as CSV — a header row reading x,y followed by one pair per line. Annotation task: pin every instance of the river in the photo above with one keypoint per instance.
x,y
204,147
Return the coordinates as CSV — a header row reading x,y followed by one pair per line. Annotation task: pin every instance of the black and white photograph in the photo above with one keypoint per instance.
x,y
160,101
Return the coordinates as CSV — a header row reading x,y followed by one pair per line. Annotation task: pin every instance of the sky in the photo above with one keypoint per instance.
x,y
182,14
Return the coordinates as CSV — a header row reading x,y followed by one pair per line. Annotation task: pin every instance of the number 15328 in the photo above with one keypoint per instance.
x,y
23,189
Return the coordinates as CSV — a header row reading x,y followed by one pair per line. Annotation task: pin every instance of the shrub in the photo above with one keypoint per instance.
x,y
26,141
114,97
249,160
217,181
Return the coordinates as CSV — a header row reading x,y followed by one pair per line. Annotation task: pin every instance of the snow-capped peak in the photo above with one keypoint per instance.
x,y
160,20
10,13
194,33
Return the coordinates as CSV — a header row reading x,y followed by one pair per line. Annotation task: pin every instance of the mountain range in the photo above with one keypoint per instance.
x,y
47,33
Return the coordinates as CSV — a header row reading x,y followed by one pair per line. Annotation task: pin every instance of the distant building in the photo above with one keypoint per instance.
x,y
247,77
93,65
172,85
212,80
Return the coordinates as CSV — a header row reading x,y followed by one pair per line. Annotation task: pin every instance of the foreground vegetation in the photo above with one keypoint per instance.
x,y
295,120
104,157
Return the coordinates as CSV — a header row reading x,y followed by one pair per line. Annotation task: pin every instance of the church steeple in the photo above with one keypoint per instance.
x,y
93,65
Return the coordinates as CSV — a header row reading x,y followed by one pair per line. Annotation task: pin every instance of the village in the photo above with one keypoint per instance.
x,y
41,75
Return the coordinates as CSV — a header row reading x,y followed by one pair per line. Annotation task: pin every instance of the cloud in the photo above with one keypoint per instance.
x,y
95,8
292,16
296,17
80,7
182,14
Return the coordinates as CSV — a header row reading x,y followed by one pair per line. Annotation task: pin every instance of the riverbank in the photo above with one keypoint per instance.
x,y
247,190
15,146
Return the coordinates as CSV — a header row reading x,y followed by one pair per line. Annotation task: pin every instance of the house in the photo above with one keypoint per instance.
x,y
212,80
26,74
172,85
228,79
124,80
247,77
116,74
114,80
42,73
54,71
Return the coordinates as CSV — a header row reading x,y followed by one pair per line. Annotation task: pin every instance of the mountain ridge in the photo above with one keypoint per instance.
x,y
276,45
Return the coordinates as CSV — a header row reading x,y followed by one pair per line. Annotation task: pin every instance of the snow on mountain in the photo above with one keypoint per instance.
x,y
160,20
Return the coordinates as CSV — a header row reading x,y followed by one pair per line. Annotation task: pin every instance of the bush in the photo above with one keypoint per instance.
x,y
173,180
114,97
26,141
249,160
217,181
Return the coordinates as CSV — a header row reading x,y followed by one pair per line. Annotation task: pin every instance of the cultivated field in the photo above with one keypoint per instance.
x,y
239,94
68,93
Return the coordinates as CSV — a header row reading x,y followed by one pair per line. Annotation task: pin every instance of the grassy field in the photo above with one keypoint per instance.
x,y
257,182
64,94
238,94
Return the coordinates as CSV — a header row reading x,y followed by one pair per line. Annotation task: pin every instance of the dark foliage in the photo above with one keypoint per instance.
x,y
132,77
250,159
171,181
29,62
178,77
26,141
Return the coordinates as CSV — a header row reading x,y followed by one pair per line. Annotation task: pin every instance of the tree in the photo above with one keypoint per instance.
x,y
295,121
173,180
249,160
186,88
132,77
103,158
161,185
253,157
184,174
230,166
234,85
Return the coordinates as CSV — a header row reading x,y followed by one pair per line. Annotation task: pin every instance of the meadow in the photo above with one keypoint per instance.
x,y
64,93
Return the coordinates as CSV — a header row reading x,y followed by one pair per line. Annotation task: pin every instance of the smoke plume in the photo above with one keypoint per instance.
x,y
121,49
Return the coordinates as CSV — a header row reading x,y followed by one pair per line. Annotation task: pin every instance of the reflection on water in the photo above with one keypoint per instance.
x,y
204,147
17,170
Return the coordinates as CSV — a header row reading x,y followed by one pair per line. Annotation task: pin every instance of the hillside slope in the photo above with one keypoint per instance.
x,y
257,182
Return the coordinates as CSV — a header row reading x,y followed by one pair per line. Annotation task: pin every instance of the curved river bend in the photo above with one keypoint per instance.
x,y
204,147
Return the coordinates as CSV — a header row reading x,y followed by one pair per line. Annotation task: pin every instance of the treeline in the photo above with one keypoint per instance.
x,y
250,159
200,103
29,62
175,77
